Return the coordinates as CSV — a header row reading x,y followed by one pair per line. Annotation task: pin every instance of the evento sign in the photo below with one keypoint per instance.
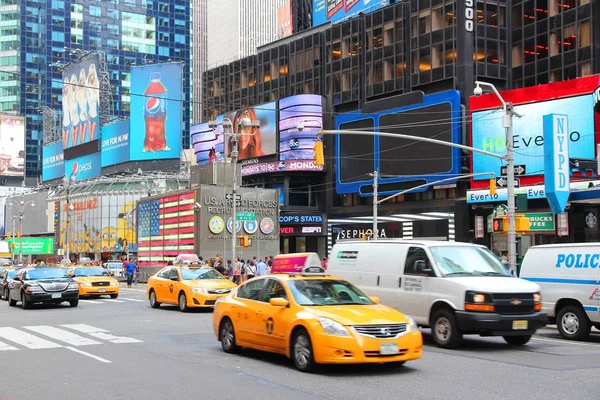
x,y
557,171
280,166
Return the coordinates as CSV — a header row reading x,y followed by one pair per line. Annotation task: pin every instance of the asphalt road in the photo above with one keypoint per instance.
x,y
123,349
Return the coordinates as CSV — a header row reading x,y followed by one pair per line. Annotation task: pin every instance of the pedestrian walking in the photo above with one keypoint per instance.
x,y
250,270
237,268
261,268
130,268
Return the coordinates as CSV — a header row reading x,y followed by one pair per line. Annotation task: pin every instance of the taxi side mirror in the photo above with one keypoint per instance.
x,y
278,302
175,279
374,299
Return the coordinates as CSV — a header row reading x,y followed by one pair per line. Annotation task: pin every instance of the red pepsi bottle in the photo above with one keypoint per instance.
x,y
155,114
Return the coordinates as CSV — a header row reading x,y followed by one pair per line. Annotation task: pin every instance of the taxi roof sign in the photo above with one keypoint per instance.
x,y
294,263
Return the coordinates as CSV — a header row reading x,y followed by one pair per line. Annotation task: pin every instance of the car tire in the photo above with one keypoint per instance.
x,y
227,337
26,304
517,340
397,364
152,298
11,302
182,302
114,296
444,329
302,351
573,323
74,303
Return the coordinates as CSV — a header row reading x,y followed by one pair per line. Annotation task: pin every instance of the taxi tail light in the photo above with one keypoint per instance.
x,y
479,307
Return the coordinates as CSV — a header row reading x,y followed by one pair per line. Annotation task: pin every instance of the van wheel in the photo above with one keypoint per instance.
x,y
517,340
573,323
444,329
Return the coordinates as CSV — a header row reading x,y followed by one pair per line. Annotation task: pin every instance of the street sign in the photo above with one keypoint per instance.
x,y
520,169
245,216
229,196
556,163
503,182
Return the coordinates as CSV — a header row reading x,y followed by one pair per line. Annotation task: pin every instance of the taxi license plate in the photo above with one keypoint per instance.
x,y
519,325
388,348
56,295
102,290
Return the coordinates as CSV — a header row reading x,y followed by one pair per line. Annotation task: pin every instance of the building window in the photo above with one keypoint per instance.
x,y
95,11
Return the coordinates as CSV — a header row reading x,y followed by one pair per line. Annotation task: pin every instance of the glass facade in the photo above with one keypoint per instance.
x,y
41,36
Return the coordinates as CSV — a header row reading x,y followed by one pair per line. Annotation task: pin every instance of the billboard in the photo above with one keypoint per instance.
x,y
406,163
2,215
284,20
12,145
34,245
528,132
295,144
84,167
156,111
53,161
206,143
115,143
336,10
81,102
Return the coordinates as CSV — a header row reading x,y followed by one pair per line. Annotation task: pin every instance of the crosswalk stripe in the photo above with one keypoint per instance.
x,y
6,347
125,298
99,333
61,335
112,301
26,339
91,301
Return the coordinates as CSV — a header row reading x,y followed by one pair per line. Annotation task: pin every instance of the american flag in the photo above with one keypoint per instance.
x,y
165,229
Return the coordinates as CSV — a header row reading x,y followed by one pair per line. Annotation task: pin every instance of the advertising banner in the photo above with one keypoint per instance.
x,y
337,10
84,167
295,144
53,161
253,142
284,20
81,103
280,166
156,111
12,145
115,143
33,245
207,144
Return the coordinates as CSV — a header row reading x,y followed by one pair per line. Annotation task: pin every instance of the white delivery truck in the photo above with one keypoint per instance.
x,y
454,288
569,276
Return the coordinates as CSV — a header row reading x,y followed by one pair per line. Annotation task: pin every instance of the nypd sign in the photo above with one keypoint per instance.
x,y
556,162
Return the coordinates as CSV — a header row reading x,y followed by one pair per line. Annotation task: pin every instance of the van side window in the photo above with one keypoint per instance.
x,y
417,263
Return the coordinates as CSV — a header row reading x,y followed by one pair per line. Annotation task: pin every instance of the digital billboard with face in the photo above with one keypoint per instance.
x,y
208,146
156,111
53,161
84,167
295,144
115,143
253,142
12,145
81,103
335,10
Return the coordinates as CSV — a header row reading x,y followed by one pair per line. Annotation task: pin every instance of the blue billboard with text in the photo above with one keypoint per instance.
x,y
53,161
84,167
115,143
156,111
336,10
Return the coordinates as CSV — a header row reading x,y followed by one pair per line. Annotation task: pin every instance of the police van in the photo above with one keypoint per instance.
x,y
569,276
454,288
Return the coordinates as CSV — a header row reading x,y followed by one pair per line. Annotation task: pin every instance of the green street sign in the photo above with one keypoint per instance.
x,y
33,245
246,216
541,221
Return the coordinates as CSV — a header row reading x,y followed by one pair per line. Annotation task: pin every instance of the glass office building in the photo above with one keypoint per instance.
x,y
39,37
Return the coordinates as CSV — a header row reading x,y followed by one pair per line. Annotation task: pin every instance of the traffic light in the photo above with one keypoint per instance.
x,y
522,223
244,241
499,225
319,157
19,235
493,186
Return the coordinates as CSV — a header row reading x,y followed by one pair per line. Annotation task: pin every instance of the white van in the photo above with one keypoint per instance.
x,y
569,275
454,288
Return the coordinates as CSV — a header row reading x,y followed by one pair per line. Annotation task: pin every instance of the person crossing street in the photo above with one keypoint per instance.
x,y
130,268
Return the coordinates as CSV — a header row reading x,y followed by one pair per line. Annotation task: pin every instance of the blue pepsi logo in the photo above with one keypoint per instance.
x,y
153,105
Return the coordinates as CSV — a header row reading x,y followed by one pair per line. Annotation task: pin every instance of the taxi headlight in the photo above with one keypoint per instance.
x,y
332,327
84,284
412,324
199,290
114,284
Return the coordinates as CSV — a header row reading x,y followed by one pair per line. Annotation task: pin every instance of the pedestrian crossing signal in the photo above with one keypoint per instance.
x,y
245,241
319,156
499,225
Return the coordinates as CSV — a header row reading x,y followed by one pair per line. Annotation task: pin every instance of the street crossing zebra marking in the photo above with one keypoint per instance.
x,y
6,347
91,301
112,301
26,339
61,335
99,333
125,298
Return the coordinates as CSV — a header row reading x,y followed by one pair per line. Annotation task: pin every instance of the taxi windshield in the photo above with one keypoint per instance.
x,y
45,273
467,261
188,274
326,292
90,272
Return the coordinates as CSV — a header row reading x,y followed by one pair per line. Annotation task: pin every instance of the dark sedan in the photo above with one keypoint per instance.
x,y
5,278
42,285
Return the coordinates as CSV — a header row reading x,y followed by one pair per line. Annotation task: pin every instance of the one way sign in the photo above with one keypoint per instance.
x,y
229,196
503,182
519,170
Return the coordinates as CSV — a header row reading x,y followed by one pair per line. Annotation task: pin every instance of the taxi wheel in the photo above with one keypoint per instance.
x,y
302,353
114,296
444,329
183,302
153,302
227,337
24,302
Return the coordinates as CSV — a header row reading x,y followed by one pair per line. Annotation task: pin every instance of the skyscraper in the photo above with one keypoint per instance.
x,y
199,54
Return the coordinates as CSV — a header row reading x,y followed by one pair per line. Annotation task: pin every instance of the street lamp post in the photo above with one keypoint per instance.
x,y
22,204
67,182
14,232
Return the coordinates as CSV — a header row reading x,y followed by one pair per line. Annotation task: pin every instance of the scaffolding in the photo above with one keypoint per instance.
x,y
50,124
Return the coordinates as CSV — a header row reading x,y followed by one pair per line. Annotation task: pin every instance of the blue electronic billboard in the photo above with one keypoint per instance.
x,y
336,10
53,161
84,167
295,144
115,143
156,111
401,163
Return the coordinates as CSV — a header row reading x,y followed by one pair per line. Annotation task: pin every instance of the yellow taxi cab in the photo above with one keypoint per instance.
x,y
314,318
187,286
94,281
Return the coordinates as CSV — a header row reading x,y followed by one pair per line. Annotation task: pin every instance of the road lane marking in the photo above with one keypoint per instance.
x,y
61,335
6,347
102,334
112,301
125,298
88,354
26,339
566,342
91,301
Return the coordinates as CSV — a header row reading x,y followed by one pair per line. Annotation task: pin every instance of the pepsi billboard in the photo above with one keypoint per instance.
x,y
53,161
84,167
156,111
115,143
295,144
